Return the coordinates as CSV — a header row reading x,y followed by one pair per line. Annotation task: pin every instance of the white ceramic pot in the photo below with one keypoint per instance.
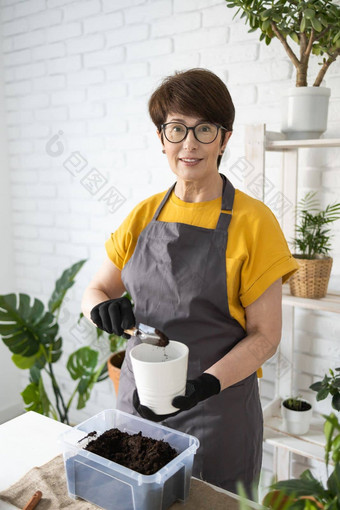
x,y
296,422
160,374
304,112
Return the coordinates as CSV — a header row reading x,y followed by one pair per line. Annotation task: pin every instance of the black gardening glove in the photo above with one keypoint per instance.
x,y
145,412
201,388
113,316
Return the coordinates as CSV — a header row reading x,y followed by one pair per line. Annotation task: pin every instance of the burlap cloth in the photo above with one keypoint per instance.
x,y
50,479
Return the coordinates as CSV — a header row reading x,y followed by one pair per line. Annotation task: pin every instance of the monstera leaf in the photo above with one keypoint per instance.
x,y
63,284
31,332
82,365
26,326
36,399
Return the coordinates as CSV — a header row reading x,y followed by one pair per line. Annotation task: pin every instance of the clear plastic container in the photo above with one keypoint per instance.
x,y
112,486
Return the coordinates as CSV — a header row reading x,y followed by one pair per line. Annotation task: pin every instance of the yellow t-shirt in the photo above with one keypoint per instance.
x,y
257,252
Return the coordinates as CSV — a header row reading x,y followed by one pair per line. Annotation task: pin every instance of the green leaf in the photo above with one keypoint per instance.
x,y
328,428
31,397
316,24
86,384
82,363
336,402
322,394
307,485
84,391
309,13
265,25
103,374
23,362
333,482
336,37
336,443
63,284
303,25
266,14
35,374
117,343
56,350
323,20
316,386
36,399
331,418
295,37
278,500
25,326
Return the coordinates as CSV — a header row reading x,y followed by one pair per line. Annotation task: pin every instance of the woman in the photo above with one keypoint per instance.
x,y
204,263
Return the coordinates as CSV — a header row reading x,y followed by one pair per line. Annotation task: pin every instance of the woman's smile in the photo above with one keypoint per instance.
x,y
190,161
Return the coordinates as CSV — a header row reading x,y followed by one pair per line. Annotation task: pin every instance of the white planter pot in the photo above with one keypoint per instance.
x,y
296,422
160,374
304,112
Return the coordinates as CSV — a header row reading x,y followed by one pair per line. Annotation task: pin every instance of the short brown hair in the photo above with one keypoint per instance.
x,y
196,91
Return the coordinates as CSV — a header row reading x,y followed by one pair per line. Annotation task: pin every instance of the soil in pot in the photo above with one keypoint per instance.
x,y
134,451
297,405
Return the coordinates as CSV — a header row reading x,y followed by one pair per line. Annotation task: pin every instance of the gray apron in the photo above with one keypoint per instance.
x,y
177,280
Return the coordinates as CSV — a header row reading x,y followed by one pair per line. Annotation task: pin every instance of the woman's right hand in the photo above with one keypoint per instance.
x,y
113,316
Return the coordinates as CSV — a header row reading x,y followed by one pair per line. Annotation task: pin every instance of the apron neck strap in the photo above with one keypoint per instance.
x,y
227,203
160,207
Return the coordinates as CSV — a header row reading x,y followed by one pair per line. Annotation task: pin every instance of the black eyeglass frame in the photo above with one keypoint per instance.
x,y
218,126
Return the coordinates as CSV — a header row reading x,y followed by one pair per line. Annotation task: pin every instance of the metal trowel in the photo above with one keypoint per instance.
x,y
148,335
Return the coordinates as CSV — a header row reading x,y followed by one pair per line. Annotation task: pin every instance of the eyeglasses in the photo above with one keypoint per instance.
x,y
204,132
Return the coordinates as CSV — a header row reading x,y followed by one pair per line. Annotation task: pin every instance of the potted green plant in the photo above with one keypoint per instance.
x,y
296,415
306,492
315,27
312,243
31,332
115,360
330,385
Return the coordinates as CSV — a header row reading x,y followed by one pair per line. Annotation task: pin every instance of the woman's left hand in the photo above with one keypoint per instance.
x,y
201,388
146,412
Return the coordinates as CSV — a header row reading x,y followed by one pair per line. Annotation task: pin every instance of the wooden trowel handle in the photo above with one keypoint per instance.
x,y
132,331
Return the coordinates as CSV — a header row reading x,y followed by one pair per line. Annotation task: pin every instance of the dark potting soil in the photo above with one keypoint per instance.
x,y
299,405
163,339
134,451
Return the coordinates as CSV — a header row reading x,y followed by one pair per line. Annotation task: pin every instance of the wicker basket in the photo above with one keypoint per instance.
x,y
311,279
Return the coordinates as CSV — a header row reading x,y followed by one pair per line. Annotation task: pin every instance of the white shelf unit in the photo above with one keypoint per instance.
x,y
310,445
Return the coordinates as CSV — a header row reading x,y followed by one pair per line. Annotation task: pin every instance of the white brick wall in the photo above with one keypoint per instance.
x,y
85,70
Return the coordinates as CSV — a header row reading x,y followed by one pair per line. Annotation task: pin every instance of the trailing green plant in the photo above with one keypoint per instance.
x,y
31,332
330,385
314,25
306,492
312,235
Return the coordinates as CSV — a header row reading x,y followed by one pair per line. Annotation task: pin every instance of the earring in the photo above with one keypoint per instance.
x,y
163,151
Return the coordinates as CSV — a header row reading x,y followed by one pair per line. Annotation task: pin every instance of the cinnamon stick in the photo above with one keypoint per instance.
x,y
32,503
